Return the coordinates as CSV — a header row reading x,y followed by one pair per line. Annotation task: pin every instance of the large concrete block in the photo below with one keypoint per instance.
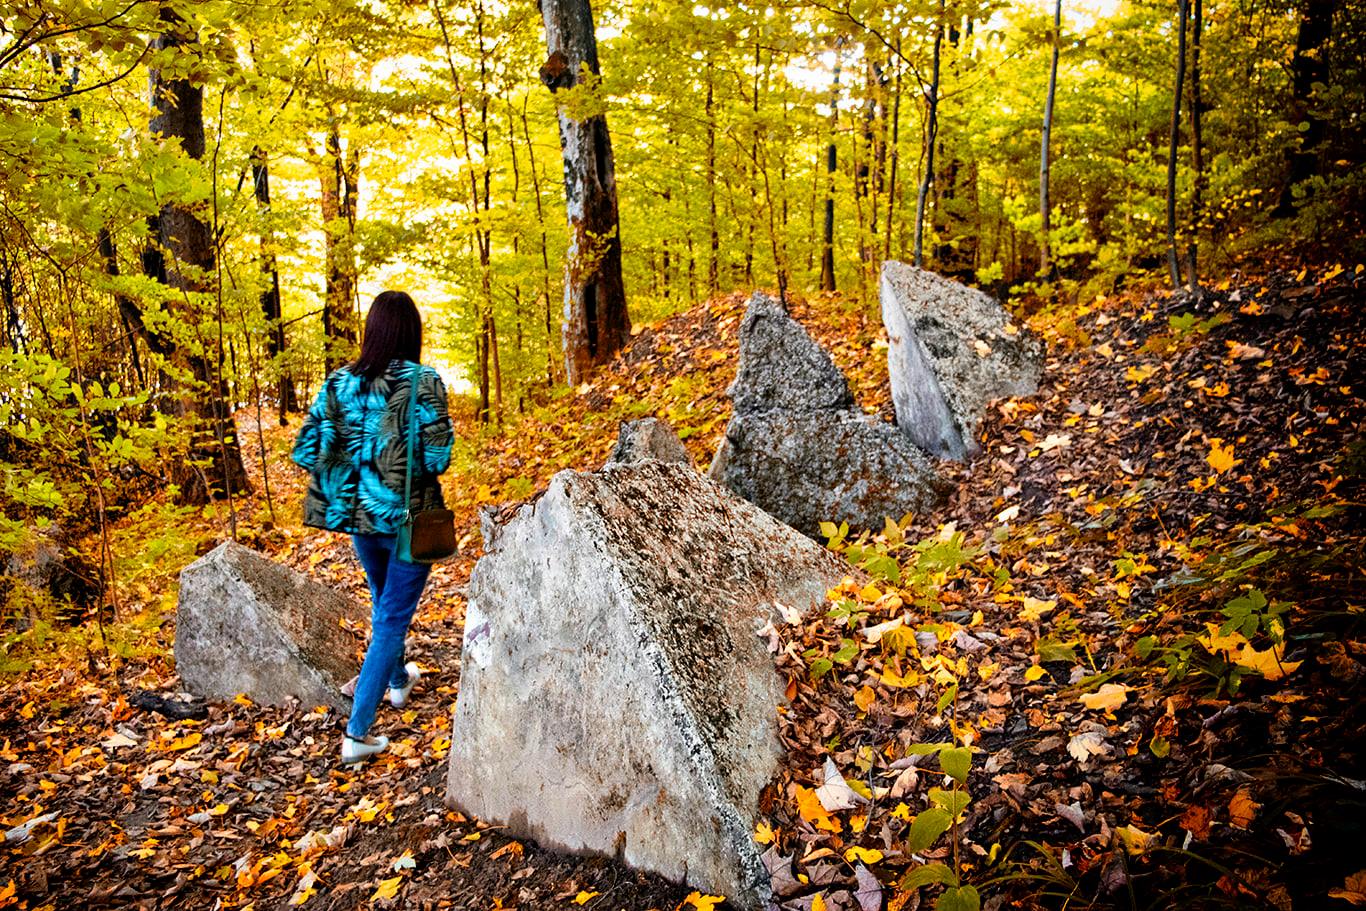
x,y
614,696
246,624
952,350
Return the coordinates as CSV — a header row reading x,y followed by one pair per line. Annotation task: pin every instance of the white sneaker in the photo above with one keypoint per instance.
x,y
398,697
354,751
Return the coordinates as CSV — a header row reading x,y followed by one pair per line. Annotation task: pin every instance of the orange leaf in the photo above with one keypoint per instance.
x,y
809,805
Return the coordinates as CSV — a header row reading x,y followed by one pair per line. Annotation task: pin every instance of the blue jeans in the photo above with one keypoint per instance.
x,y
395,587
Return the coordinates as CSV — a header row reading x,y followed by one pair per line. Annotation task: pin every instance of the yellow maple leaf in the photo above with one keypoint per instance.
x,y
863,855
703,902
1108,698
1220,457
1268,662
809,806
865,698
818,903
388,888
584,898
763,833
1033,673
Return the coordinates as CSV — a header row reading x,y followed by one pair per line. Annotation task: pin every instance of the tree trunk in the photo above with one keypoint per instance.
x,y
1045,209
1172,262
214,467
828,229
286,397
596,324
1197,153
894,155
1308,66
932,137
545,253
713,266
338,174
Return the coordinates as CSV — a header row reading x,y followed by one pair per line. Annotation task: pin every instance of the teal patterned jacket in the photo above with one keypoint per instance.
x,y
354,445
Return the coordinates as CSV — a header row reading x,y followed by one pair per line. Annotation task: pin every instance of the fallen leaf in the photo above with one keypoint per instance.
x,y
1083,746
1108,698
763,833
863,855
388,888
835,793
810,808
1242,809
1353,890
701,902
1220,457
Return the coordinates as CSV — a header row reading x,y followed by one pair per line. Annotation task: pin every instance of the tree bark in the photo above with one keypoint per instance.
x,y
1308,66
178,115
1197,153
596,324
932,137
1045,209
1173,262
828,229
713,265
338,174
276,342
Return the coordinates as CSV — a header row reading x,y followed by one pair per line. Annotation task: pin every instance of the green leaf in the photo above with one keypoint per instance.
x,y
926,829
959,898
956,762
820,667
928,874
1055,650
1144,647
848,649
947,697
953,802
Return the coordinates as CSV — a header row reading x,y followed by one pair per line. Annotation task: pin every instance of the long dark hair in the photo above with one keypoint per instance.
x,y
393,330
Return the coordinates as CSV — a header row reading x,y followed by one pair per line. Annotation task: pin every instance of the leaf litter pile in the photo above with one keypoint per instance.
x,y
1117,669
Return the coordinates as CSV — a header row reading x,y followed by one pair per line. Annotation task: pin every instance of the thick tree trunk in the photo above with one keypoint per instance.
x,y
276,342
596,324
1045,208
338,174
931,138
1308,66
1173,262
185,262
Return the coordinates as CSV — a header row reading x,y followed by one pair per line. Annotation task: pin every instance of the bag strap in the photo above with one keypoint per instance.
x,y
412,436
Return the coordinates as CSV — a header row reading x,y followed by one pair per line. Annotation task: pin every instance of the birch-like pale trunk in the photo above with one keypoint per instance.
x,y
596,324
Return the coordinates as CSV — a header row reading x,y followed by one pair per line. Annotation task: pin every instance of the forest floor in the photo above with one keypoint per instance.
x,y
1132,637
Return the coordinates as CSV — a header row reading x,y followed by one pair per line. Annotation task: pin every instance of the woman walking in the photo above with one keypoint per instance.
x,y
355,445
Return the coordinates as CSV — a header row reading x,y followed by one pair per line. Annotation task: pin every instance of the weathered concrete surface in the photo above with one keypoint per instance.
x,y
246,624
781,367
614,697
806,468
798,446
953,349
645,440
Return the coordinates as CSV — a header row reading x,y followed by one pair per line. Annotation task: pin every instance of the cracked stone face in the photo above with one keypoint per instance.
x,y
797,444
647,439
614,695
952,351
